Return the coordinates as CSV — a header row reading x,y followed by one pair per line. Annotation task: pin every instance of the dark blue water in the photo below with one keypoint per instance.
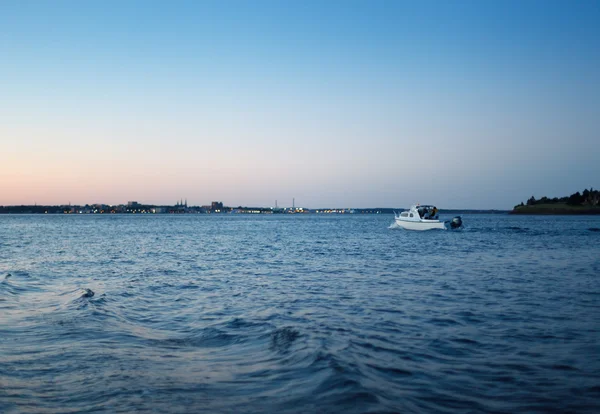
x,y
298,314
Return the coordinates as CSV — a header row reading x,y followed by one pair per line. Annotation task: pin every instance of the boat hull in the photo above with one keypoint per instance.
x,y
421,225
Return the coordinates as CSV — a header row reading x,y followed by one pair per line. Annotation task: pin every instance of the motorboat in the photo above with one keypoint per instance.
x,y
425,217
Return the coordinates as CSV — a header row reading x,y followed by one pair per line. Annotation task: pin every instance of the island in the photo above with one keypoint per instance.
x,y
586,202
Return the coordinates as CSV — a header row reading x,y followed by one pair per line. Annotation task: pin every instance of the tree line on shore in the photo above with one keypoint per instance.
x,y
589,197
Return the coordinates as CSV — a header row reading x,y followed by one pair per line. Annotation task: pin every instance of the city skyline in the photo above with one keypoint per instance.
x,y
215,207
358,104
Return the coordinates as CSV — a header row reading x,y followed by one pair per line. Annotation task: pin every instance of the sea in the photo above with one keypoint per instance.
x,y
298,314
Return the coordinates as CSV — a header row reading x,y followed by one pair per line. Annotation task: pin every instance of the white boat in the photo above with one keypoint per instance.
x,y
425,217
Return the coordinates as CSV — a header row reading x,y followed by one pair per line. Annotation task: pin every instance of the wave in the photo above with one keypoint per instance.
x,y
19,283
283,338
206,338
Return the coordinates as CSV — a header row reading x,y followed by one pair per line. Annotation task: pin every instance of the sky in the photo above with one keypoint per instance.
x,y
461,104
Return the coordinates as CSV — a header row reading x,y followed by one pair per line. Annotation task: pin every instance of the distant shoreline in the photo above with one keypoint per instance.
x,y
86,210
585,203
556,209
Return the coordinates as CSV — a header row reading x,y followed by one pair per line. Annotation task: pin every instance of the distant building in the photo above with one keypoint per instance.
x,y
133,204
216,206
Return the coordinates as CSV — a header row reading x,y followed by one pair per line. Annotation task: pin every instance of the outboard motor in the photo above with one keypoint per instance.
x,y
456,222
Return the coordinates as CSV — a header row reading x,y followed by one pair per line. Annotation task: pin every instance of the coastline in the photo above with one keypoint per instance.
x,y
58,210
556,209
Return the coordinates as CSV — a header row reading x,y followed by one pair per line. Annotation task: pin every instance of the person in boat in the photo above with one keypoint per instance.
x,y
430,213
433,214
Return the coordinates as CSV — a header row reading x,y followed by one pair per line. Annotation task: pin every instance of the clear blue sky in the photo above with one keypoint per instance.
x,y
464,104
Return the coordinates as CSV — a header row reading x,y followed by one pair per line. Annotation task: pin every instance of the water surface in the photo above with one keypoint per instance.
x,y
298,314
